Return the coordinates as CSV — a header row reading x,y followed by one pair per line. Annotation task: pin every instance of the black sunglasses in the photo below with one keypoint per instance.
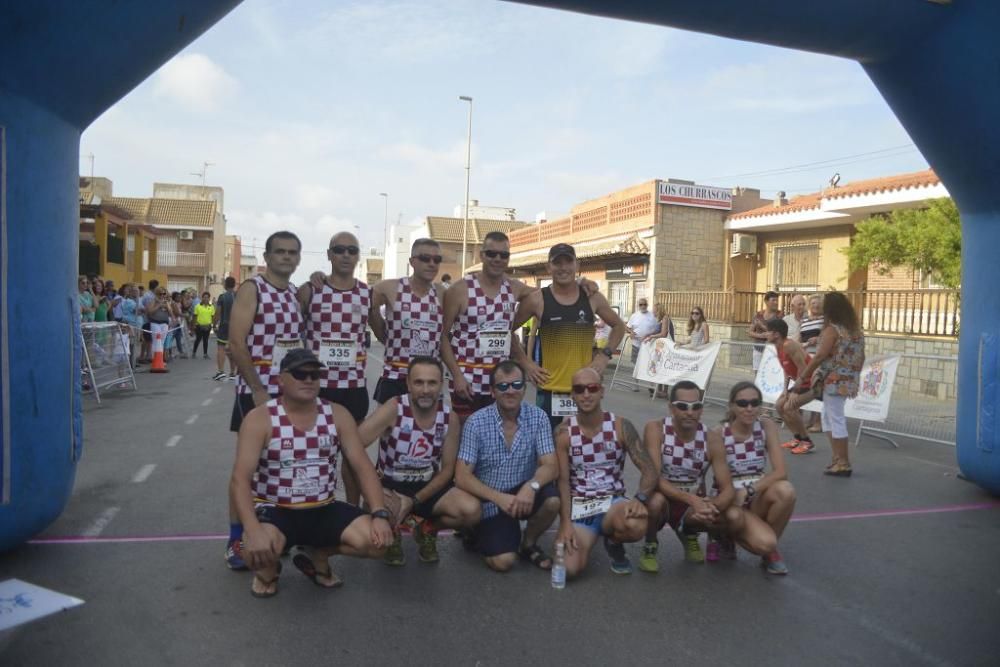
x,y
581,388
684,406
341,249
516,385
301,374
493,254
748,402
429,258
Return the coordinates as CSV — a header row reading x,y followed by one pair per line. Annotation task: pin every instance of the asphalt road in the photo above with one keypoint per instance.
x,y
895,566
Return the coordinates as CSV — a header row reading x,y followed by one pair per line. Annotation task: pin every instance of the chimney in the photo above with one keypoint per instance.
x,y
780,199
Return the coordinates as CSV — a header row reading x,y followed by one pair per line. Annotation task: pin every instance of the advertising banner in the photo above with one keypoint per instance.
x,y
701,196
662,362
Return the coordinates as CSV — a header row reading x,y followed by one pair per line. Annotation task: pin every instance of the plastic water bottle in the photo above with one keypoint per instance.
x,y
559,567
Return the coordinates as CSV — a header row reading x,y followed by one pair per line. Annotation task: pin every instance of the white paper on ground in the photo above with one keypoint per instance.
x,y
21,602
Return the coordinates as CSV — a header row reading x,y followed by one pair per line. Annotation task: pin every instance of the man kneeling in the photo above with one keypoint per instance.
x,y
286,460
418,443
590,447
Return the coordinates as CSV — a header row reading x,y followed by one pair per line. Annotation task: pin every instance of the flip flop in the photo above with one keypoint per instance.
x,y
267,583
305,565
535,556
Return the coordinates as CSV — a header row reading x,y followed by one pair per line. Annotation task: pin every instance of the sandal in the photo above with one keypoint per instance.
x,y
838,470
267,584
304,564
536,557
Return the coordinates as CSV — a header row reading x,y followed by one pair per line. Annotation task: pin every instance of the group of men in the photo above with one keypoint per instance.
x,y
480,463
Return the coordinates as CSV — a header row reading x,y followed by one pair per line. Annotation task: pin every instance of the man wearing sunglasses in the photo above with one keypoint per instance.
x,y
413,317
507,460
566,330
286,460
265,324
591,447
680,443
418,443
336,315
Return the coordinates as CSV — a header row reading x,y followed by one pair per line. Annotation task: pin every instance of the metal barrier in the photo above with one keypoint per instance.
x,y
912,414
106,357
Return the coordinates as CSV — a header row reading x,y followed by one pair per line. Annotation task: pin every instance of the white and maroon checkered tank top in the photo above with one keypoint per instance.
x,y
335,331
277,327
683,463
298,467
413,328
480,336
748,459
595,463
409,453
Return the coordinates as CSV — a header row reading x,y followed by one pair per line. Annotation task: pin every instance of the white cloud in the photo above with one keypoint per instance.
x,y
195,82
313,196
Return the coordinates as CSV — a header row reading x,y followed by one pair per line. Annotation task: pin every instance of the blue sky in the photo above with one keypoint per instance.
x,y
309,109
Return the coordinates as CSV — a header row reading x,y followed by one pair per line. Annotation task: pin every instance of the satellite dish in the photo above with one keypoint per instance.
x,y
834,180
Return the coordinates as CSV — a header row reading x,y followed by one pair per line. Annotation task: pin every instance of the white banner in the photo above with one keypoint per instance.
x,y
874,393
661,361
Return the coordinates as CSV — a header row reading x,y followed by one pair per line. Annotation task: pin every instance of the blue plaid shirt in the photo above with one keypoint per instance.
x,y
493,463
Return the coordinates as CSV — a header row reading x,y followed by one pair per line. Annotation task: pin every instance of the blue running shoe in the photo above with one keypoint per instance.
x,y
234,559
620,564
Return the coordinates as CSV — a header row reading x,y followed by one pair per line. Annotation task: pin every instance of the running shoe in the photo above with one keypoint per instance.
x,y
394,553
620,564
234,557
806,447
774,563
647,561
719,549
791,444
692,550
219,376
427,542
712,552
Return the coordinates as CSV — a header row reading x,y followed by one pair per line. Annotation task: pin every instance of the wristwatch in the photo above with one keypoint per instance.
x,y
642,498
382,514
606,351
535,486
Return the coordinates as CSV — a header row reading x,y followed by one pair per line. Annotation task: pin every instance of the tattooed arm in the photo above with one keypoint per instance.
x,y
639,455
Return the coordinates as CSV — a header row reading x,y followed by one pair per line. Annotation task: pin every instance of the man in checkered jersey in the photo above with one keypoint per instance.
x,y
265,324
337,312
286,460
591,447
680,443
413,317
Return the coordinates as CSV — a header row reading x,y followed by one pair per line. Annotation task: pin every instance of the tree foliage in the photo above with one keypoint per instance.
x,y
926,239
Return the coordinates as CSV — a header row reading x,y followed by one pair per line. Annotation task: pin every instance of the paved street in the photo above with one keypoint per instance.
x,y
895,566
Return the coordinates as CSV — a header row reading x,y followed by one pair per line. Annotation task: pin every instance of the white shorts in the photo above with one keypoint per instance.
x,y
834,421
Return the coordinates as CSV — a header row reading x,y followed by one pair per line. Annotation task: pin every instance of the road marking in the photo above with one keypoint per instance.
x,y
217,390
173,440
192,419
207,402
100,523
84,538
930,463
144,473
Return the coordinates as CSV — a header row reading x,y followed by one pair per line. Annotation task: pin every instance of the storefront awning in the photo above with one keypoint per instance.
x,y
619,248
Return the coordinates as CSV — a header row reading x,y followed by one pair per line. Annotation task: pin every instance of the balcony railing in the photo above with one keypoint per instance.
x,y
188,260
931,312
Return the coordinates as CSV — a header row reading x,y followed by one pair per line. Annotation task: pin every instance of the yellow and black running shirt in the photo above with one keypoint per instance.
x,y
566,334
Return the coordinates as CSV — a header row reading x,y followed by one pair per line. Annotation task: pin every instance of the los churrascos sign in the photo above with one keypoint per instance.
x,y
702,196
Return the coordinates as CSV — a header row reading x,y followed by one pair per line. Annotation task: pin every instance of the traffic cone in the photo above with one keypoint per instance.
x,y
158,365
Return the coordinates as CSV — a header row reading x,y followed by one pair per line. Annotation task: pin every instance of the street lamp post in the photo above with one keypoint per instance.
x,y
385,225
468,162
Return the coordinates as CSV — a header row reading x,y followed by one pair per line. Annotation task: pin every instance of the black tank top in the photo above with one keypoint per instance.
x,y
566,334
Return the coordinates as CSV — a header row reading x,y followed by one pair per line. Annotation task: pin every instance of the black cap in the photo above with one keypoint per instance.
x,y
561,249
298,358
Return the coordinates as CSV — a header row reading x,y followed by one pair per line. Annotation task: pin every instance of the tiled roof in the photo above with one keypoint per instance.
x,y
166,212
870,186
445,230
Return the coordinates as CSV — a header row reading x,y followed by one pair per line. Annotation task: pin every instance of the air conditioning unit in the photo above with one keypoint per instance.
x,y
185,235
743,244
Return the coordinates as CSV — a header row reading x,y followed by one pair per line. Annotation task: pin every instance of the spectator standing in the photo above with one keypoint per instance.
x,y
446,280
223,308
697,328
145,300
758,327
86,299
794,319
601,333
809,332
640,325
101,304
204,315
664,325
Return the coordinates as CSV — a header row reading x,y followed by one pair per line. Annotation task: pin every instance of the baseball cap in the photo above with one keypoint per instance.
x,y
561,249
298,358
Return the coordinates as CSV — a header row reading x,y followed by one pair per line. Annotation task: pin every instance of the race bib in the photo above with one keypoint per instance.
x,y
420,338
413,474
493,343
585,507
687,487
563,405
338,353
742,481
281,347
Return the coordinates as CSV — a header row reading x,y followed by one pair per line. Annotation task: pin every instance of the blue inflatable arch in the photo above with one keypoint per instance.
x,y
934,61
